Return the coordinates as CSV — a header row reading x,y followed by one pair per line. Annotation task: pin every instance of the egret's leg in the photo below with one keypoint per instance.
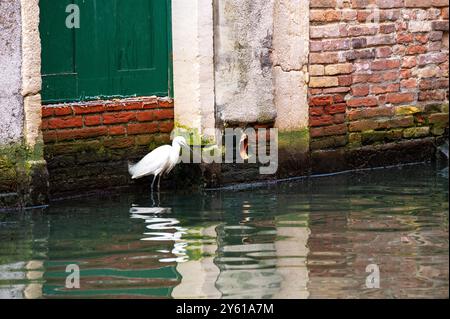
x,y
153,183
159,182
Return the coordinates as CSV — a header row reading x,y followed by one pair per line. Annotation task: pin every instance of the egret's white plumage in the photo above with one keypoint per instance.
x,y
160,161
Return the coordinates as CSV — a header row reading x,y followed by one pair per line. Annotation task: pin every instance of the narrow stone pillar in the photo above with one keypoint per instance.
x,y
193,67
243,74
31,72
290,59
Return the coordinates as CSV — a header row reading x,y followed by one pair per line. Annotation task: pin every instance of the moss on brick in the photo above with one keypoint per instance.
x,y
21,167
295,140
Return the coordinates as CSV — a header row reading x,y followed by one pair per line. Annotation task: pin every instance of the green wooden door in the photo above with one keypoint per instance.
x,y
121,48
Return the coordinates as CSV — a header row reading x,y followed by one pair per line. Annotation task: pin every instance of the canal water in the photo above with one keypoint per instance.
x,y
369,234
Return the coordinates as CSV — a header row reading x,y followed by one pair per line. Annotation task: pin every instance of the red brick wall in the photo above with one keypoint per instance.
x,y
377,82
87,145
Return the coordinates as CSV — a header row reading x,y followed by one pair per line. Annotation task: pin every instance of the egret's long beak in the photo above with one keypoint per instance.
x,y
185,145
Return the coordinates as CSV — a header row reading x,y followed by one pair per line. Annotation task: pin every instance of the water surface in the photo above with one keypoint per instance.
x,y
311,238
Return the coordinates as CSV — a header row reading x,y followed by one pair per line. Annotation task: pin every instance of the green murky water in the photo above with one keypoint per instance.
x,y
307,239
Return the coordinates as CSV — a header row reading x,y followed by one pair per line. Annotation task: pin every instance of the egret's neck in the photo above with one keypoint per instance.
x,y
176,148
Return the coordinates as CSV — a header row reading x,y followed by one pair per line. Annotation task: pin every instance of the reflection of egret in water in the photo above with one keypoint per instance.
x,y
163,229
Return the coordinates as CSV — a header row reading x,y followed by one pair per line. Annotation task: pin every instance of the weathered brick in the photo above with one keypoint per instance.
x,y
438,118
421,37
432,95
335,44
324,58
62,110
142,128
165,103
92,120
429,58
315,46
133,105
87,109
416,132
322,120
117,130
409,62
372,124
337,129
345,80
440,25
358,43
405,37
82,133
330,15
358,4
324,81
362,113
119,142
145,116
321,100
336,108
361,90
409,83
322,4
381,40
333,69
385,64
166,114
336,90
316,111
427,72
383,52
362,102
435,36
425,3
122,117
47,111
433,84
387,28
68,122
359,30
419,26
316,69
397,98
386,88
416,49
389,4
49,136
359,54
325,31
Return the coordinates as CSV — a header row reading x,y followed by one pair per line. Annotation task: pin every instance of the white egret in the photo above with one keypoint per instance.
x,y
158,162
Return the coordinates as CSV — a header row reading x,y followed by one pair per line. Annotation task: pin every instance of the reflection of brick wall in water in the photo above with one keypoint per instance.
x,y
342,245
377,82
87,145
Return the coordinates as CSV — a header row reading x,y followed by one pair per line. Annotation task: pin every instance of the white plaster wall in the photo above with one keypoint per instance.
x,y
192,32
11,107
290,58
243,74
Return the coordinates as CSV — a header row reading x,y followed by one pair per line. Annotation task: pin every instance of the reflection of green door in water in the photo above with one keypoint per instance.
x,y
121,48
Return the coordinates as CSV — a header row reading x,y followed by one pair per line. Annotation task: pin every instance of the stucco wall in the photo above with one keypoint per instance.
x,y
243,34
11,102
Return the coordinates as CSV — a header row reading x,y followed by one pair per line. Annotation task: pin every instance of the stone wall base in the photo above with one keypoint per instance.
x,y
296,164
23,179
